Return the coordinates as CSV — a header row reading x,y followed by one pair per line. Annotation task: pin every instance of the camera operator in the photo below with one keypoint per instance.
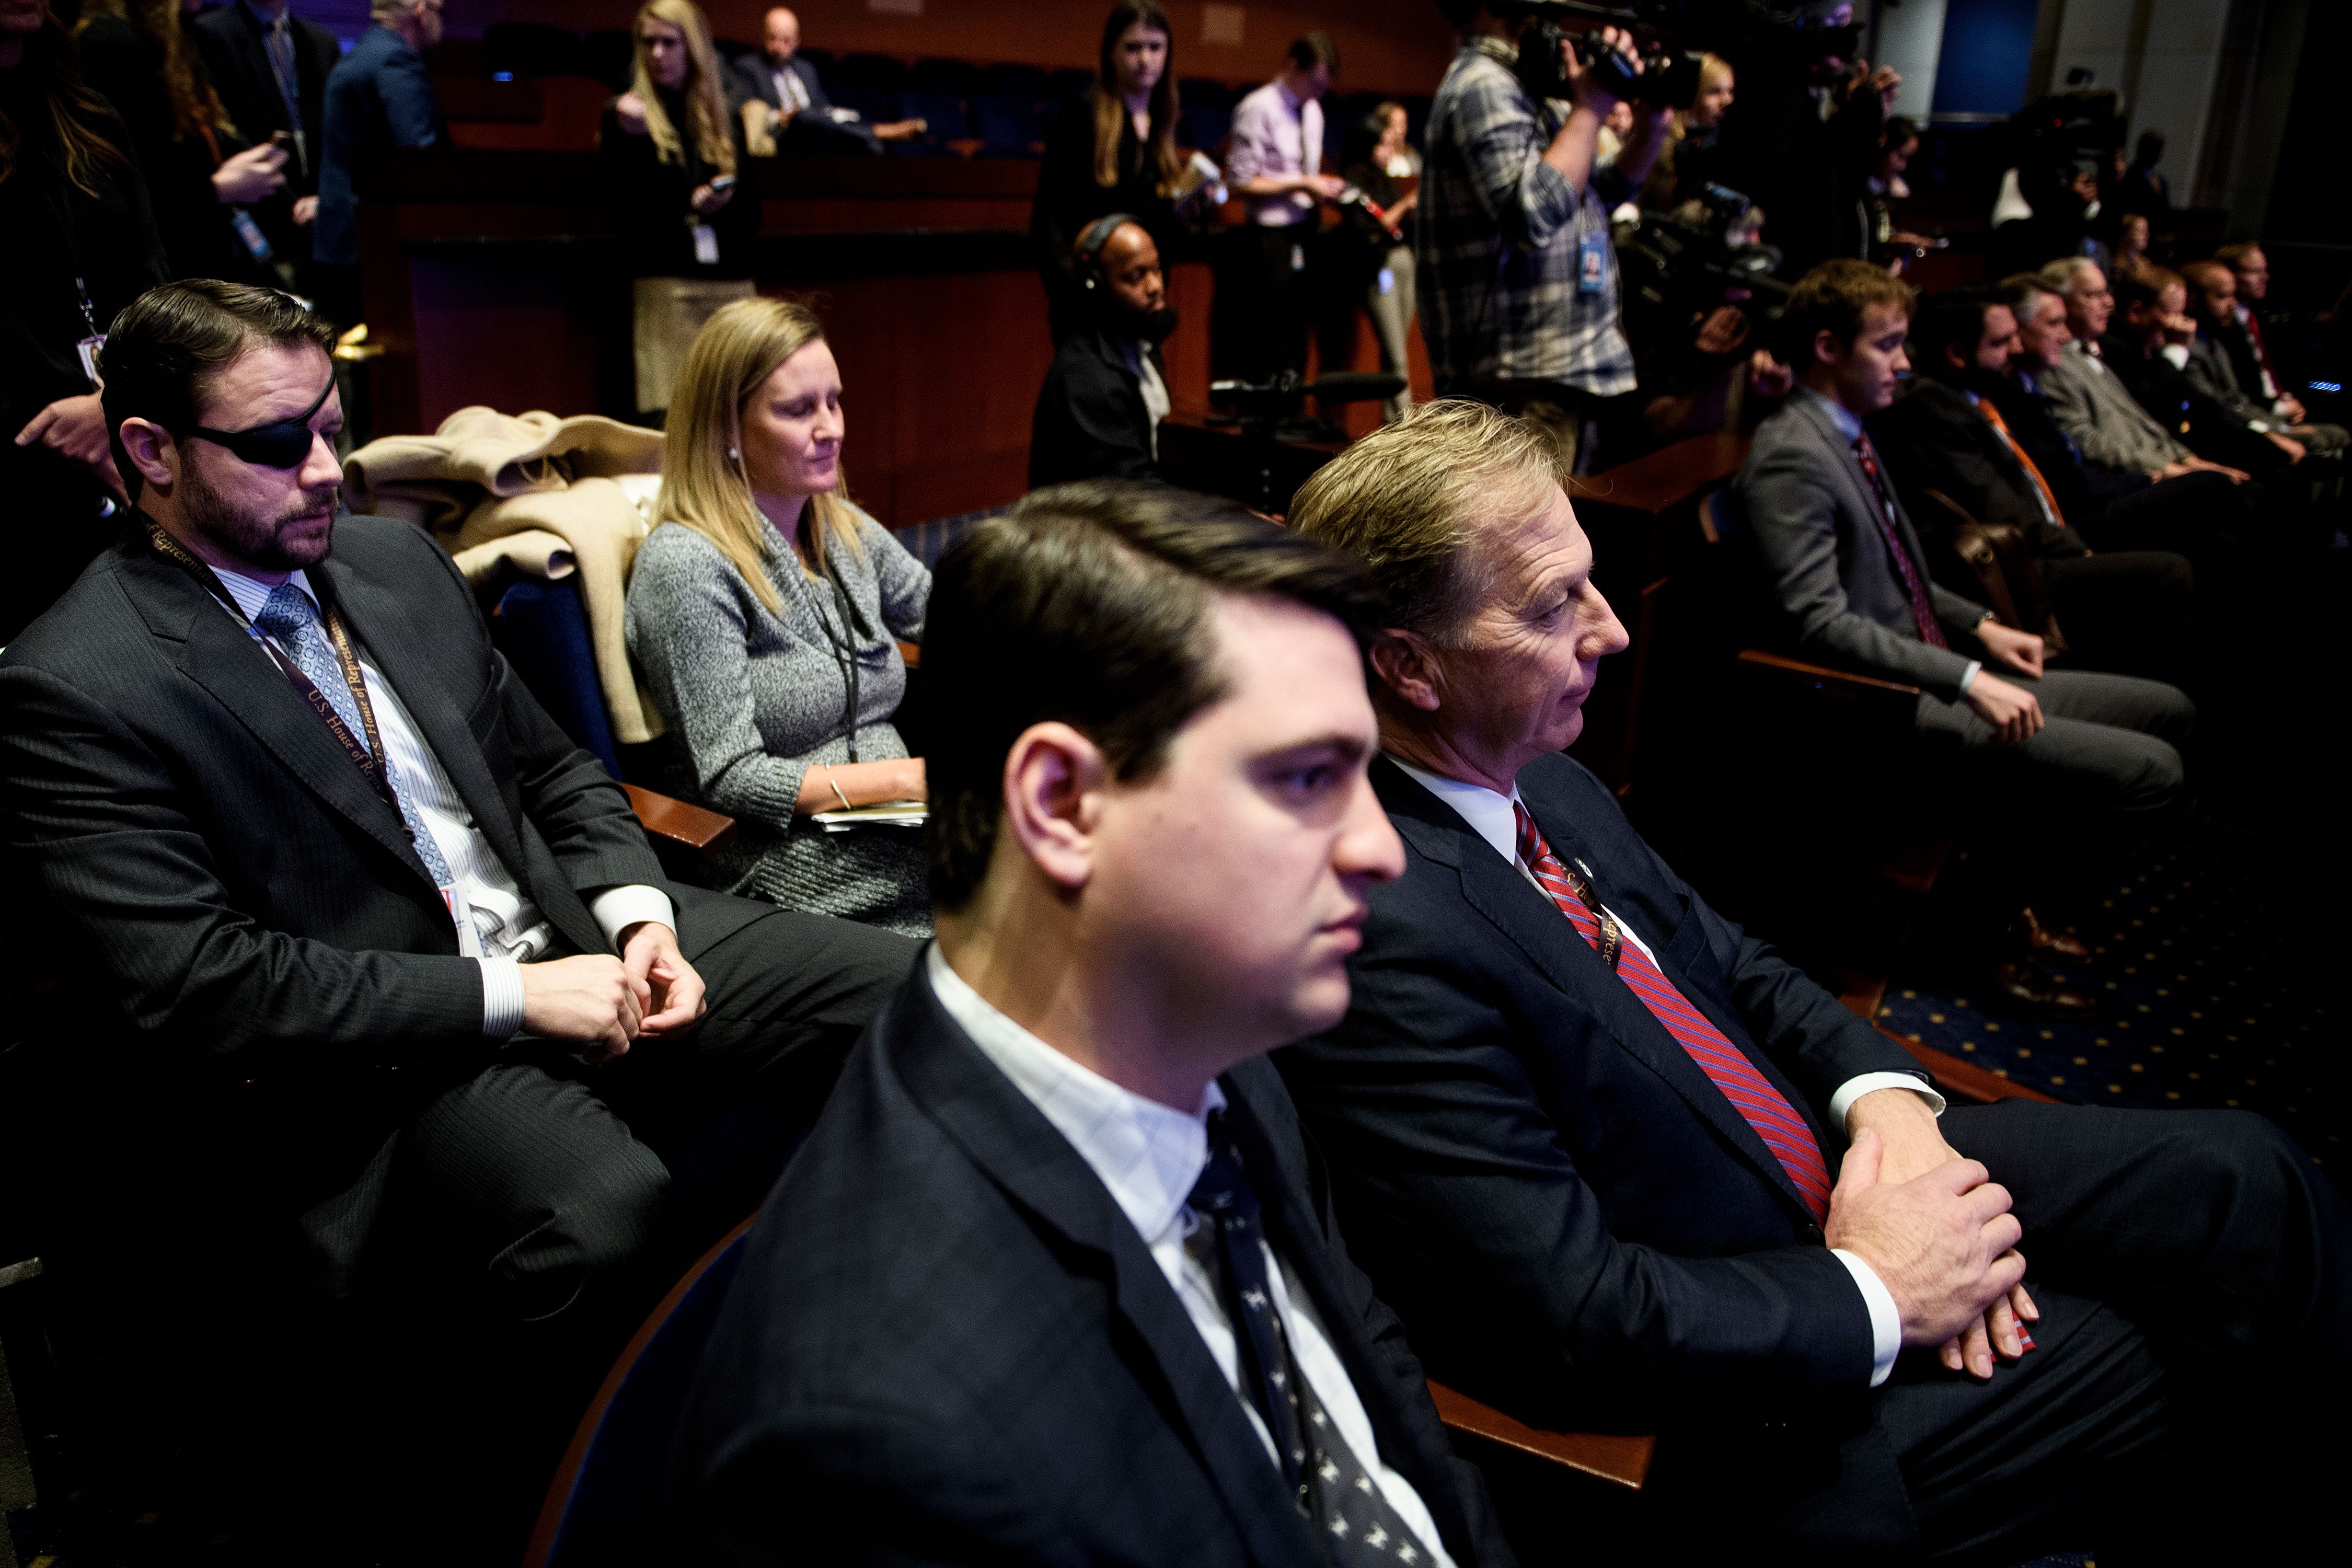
x,y
1805,133
1518,283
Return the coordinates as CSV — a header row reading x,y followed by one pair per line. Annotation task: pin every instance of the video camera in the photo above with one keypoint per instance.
x,y
1275,407
1667,78
1677,266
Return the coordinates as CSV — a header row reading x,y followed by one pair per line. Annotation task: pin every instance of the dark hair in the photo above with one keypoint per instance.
x,y
2144,285
1834,297
1089,603
164,348
86,130
1953,316
1898,130
2229,256
1110,115
1313,49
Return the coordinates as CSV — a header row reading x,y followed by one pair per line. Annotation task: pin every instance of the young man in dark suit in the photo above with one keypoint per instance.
x,y
2128,611
1098,413
379,97
1615,1160
1055,1279
334,900
2078,763
270,68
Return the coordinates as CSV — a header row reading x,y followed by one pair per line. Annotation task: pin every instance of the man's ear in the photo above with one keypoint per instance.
x,y
1054,781
1827,350
1408,666
151,451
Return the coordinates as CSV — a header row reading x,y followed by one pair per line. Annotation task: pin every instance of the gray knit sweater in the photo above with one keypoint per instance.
x,y
754,697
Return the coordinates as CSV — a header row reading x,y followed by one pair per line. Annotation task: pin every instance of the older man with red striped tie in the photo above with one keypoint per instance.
x,y
1582,1132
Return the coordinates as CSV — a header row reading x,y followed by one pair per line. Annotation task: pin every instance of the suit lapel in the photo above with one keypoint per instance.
x,y
1509,901
1030,1161
1858,487
393,644
218,654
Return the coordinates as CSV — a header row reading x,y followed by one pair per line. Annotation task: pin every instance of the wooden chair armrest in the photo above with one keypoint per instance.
x,y
912,652
1615,1457
1963,1080
1820,675
687,826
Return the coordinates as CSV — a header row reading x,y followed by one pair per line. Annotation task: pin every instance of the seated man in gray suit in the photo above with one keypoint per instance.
x,y
2074,748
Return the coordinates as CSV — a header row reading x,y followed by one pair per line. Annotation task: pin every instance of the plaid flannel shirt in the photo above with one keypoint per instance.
x,y
1498,236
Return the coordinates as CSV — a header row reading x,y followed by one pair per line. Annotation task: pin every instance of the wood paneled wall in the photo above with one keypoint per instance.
x,y
1385,46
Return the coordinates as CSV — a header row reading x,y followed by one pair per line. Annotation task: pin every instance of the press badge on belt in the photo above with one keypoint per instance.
x,y
1591,256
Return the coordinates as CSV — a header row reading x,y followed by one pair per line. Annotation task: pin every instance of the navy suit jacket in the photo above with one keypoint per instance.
x,y
947,1343
1572,1220
378,98
1090,422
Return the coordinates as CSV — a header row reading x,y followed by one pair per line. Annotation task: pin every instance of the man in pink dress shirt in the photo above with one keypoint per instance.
x,y
1265,301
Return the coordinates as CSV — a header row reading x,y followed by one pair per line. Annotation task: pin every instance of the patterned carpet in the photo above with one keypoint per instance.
x,y
2219,990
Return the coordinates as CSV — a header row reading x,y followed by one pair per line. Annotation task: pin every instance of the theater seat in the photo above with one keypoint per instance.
x,y
542,630
604,1504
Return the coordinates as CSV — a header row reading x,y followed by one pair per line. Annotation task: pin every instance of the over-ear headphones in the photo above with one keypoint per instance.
x,y
1091,242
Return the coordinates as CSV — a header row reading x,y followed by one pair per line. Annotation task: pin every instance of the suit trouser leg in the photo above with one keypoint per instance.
x,y
2195,1275
2073,798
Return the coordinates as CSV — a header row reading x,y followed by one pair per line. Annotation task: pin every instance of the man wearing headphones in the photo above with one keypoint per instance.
x,y
1098,413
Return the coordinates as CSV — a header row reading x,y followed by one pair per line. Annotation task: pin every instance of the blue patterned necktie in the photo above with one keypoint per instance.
x,y
286,615
1351,1514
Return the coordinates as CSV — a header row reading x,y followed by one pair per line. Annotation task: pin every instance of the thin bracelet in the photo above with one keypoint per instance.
x,y
835,784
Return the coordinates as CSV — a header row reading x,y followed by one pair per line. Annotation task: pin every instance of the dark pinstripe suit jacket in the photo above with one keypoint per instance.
x,y
948,1344
220,883
1572,1220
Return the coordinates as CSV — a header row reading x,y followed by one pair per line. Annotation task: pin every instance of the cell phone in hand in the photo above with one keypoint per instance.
x,y
722,184
282,140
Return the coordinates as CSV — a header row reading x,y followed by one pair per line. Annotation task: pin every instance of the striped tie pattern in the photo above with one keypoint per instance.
x,y
1923,609
1750,1093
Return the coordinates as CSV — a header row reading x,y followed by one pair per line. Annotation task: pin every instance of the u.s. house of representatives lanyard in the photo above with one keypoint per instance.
x,y
367,758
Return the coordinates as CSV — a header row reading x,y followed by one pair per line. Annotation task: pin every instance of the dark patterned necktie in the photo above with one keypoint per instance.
x,y
1351,1514
1923,609
1765,1108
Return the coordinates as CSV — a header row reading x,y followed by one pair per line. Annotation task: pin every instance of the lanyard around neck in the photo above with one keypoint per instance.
x,y
368,759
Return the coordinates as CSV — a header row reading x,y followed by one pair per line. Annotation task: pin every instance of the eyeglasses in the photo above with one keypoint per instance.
x,y
280,444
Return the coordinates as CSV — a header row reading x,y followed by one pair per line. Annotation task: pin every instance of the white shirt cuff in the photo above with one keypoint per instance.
x,y
617,908
2178,355
1885,1322
501,998
1855,1087
1968,676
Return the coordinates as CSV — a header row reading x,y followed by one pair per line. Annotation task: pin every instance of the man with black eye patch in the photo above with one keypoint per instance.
x,y
315,865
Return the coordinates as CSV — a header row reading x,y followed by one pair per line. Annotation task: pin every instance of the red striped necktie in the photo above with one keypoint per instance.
x,y
1923,609
1767,1109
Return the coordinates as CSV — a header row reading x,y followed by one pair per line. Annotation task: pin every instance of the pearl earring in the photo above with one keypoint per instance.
x,y
734,456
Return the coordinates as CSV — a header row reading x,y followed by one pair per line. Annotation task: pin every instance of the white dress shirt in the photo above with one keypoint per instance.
x,y
1850,427
498,925
1278,135
791,93
1492,817
1150,1156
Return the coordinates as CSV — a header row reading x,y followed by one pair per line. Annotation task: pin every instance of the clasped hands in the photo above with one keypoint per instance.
x,y
2014,714
606,1003
1938,1232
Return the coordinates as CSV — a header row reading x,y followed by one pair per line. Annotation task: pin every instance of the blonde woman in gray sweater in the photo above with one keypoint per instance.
x,y
764,614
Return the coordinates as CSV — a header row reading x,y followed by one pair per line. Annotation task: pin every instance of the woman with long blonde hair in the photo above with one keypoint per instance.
x,y
765,612
673,147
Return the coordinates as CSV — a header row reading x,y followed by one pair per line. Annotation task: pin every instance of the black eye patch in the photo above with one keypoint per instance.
x,y
280,444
